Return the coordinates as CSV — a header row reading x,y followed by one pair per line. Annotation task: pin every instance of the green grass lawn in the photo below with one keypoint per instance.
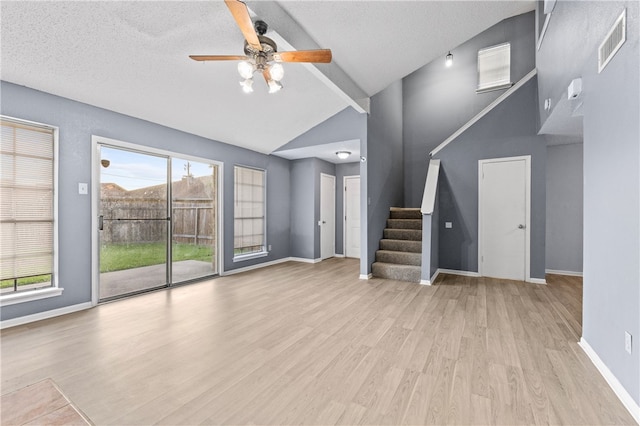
x,y
116,257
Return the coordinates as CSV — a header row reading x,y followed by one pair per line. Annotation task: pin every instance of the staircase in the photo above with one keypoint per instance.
x,y
400,254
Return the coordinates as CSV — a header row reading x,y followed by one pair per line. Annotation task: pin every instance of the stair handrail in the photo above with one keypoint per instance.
x,y
484,112
430,187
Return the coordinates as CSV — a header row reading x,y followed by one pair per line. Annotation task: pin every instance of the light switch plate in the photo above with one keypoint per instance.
x,y
448,225
83,188
627,342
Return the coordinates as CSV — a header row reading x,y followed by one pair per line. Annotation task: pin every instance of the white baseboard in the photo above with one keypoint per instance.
x,y
627,400
305,260
256,266
570,273
456,272
338,255
44,315
425,282
537,280
365,277
431,280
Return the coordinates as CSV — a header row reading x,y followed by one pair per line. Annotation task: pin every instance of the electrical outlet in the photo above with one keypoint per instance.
x,y
627,342
448,225
269,247
83,188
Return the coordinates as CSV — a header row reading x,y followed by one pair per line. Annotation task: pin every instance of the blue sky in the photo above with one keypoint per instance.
x,y
132,170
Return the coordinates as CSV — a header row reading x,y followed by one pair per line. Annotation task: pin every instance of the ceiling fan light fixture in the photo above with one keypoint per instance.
x,y
277,71
343,155
274,86
245,69
247,85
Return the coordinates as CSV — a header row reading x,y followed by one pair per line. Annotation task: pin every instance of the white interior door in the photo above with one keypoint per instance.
x,y
352,216
327,216
504,218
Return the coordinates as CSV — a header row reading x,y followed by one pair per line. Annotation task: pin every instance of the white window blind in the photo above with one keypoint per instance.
x,y
494,68
26,206
249,211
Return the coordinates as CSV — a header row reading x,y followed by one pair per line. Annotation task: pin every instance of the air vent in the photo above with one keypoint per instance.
x,y
613,41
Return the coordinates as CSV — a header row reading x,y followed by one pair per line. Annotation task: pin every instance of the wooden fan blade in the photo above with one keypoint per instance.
x,y
321,56
243,19
218,57
267,75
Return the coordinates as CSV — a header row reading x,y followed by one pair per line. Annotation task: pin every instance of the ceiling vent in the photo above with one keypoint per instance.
x,y
613,41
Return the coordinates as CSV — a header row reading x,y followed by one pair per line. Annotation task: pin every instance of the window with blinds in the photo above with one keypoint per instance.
x,y
249,211
26,206
494,68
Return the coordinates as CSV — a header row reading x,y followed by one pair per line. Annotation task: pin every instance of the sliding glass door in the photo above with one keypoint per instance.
x,y
158,221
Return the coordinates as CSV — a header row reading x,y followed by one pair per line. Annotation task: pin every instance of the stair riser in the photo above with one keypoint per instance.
x,y
404,223
401,245
399,257
396,272
403,234
406,214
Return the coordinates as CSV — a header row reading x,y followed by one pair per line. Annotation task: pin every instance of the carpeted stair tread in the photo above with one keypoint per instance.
x,y
393,271
401,245
404,223
402,234
399,257
403,213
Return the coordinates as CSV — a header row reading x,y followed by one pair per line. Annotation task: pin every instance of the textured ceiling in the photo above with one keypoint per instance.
x,y
131,57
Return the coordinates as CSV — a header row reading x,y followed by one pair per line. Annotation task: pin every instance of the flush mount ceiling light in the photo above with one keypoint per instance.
x,y
343,155
261,53
448,60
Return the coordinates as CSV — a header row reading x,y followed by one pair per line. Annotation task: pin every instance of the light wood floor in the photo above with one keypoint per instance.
x,y
311,344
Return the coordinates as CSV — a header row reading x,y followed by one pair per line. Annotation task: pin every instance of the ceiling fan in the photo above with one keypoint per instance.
x,y
261,52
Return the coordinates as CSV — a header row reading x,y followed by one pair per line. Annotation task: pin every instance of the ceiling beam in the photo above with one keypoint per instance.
x,y
289,35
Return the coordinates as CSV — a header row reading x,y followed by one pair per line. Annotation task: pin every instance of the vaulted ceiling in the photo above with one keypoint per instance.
x,y
132,57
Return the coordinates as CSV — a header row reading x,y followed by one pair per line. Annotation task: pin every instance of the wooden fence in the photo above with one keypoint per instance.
x,y
131,220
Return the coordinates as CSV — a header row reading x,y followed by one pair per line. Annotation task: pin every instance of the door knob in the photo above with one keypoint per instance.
x,y
521,226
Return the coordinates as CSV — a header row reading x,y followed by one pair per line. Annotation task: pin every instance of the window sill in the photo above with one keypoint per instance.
x,y
249,256
29,296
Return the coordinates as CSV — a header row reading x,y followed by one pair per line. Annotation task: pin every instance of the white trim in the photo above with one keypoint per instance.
x,y
365,276
270,263
456,272
622,394
338,255
527,230
425,282
44,315
304,260
545,25
569,273
484,112
430,187
537,281
249,256
332,187
29,296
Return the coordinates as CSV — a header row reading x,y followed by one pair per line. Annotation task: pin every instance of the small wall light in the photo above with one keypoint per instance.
x,y
448,60
343,155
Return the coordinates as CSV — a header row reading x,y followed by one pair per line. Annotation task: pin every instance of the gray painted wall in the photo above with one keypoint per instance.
x,y
305,205
302,208
346,125
509,130
384,177
564,208
439,100
611,293
77,122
